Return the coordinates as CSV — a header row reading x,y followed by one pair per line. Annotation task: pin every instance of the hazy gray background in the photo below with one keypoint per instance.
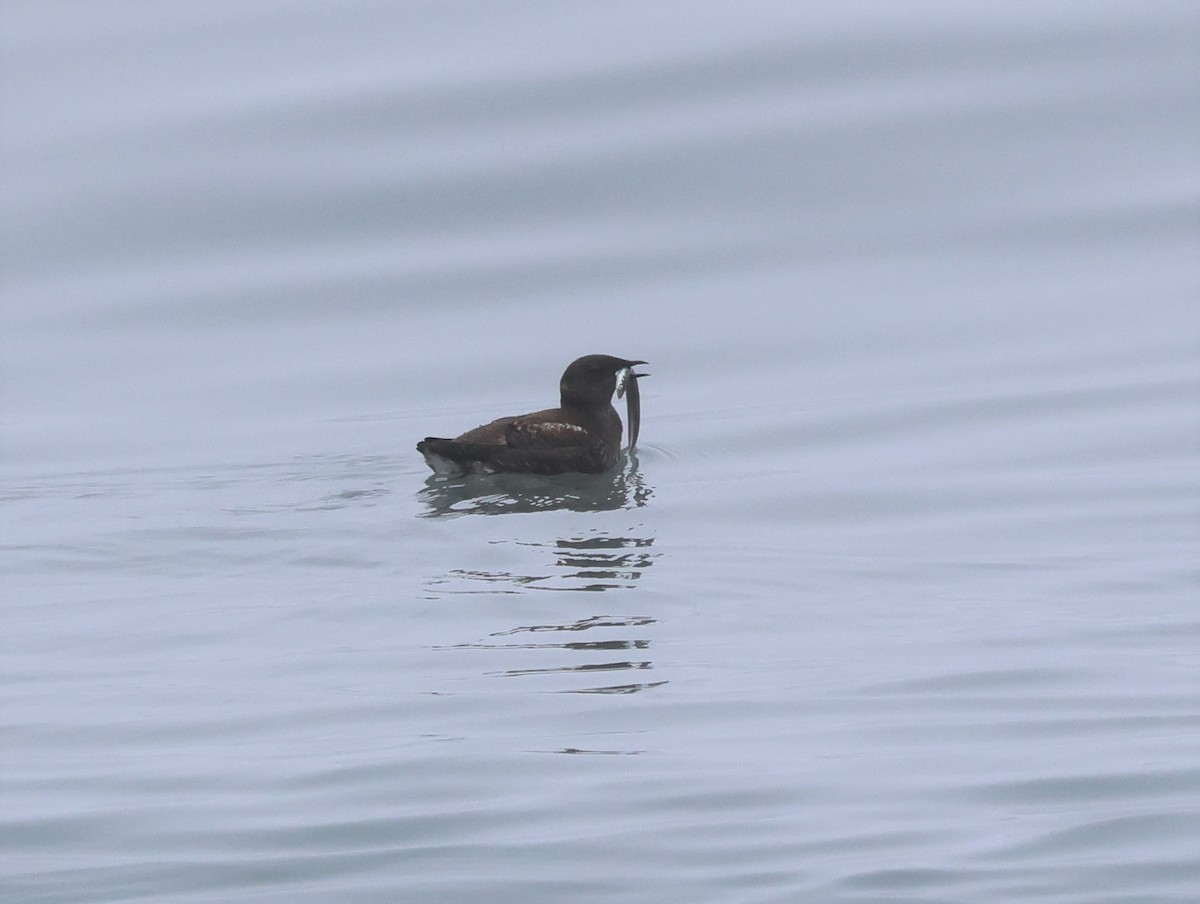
x,y
898,600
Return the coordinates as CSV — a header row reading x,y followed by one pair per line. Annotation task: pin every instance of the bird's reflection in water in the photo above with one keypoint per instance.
x,y
592,563
507,494
589,560
606,657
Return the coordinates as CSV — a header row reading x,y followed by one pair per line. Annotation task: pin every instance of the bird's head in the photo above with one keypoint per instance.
x,y
592,379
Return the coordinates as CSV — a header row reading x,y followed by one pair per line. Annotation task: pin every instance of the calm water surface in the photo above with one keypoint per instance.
x,y
896,600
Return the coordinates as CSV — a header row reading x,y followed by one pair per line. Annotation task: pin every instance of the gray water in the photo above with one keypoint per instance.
x,y
895,601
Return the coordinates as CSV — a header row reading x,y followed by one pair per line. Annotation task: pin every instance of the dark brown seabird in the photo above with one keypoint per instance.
x,y
583,434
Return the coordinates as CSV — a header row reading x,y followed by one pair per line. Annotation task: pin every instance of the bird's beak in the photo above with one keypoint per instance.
x,y
627,385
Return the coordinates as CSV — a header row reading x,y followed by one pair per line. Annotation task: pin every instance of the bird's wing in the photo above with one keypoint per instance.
x,y
488,457
488,433
525,434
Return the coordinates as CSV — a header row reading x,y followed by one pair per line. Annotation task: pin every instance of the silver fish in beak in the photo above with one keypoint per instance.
x,y
627,385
